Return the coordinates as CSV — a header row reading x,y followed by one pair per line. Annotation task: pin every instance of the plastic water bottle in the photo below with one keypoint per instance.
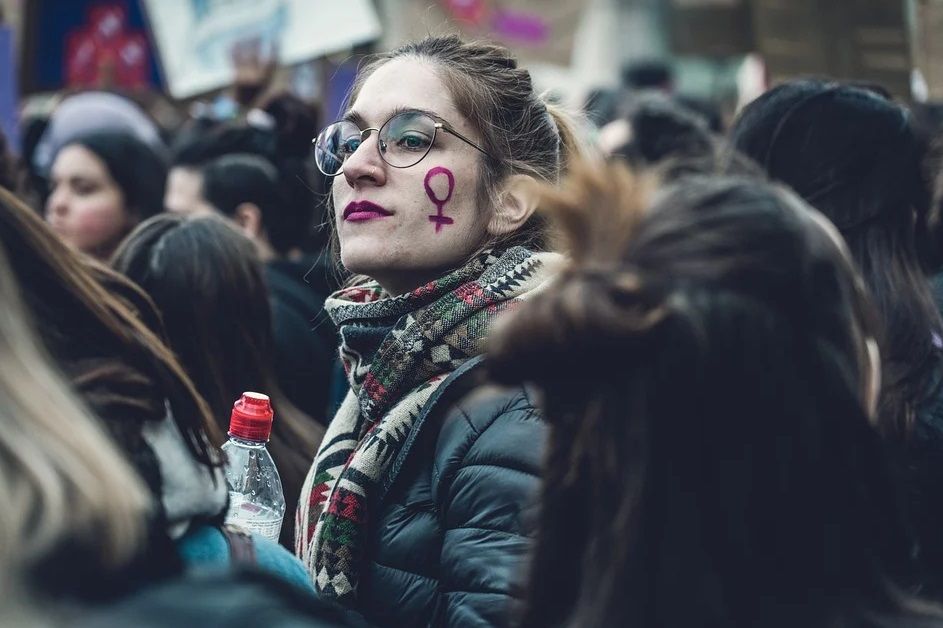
x,y
256,499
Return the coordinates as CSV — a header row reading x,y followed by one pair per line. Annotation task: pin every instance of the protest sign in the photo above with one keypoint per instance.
x,y
534,30
859,40
711,28
196,39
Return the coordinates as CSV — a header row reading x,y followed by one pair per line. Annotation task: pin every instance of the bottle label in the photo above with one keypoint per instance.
x,y
253,517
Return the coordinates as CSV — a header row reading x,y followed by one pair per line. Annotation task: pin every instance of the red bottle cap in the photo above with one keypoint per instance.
x,y
251,417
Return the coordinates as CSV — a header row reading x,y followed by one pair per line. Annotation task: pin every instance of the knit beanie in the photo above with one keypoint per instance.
x,y
849,151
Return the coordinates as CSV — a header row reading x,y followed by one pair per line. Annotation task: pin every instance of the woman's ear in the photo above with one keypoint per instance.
x,y
516,204
249,218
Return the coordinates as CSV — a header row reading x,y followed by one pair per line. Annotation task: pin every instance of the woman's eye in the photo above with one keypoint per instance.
x,y
413,141
84,188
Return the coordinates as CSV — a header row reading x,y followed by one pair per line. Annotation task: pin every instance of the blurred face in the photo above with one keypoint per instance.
x,y
185,191
86,207
407,226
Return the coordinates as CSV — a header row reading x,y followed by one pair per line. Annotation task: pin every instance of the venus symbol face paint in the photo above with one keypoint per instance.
x,y
439,184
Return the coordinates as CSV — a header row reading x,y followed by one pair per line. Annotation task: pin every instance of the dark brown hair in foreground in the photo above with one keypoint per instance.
x,y
703,365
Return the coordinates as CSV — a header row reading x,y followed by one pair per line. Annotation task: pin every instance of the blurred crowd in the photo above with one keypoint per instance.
x,y
652,363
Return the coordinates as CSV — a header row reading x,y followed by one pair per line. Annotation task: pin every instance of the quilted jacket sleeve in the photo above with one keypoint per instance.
x,y
486,483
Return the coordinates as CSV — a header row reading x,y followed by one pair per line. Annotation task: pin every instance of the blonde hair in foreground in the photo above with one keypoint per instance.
x,y
60,475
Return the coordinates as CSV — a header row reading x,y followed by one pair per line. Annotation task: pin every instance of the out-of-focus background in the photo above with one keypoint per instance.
x,y
173,55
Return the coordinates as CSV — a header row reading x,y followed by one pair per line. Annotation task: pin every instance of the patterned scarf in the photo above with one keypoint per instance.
x,y
396,352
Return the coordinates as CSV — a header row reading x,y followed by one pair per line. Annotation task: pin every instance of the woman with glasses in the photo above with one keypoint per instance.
x,y
416,509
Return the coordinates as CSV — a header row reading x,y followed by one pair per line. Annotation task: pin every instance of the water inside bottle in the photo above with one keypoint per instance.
x,y
253,517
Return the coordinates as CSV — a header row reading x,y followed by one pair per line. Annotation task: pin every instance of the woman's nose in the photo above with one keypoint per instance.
x,y
57,203
365,166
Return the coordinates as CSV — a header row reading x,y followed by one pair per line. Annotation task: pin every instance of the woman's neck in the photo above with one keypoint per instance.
x,y
403,283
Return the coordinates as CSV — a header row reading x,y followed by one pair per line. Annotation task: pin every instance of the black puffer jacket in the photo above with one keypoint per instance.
x,y
452,531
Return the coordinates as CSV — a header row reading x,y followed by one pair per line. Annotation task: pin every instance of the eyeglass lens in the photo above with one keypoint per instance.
x,y
403,141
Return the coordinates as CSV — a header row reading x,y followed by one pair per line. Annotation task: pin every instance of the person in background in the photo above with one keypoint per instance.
x,y
274,205
649,74
853,154
245,188
105,334
296,124
242,598
35,186
280,131
74,509
600,105
720,467
709,110
605,105
219,324
657,131
76,512
101,185
86,113
195,147
415,511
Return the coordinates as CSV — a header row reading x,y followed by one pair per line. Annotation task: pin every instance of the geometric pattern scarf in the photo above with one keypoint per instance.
x,y
429,333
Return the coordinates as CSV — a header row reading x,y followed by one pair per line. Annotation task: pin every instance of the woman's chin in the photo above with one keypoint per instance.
x,y
364,262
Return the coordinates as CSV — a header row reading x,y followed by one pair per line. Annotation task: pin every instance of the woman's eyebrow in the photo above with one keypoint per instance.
x,y
360,121
404,109
356,118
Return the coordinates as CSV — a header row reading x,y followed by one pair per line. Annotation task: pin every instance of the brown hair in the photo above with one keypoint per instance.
x,y
106,335
220,325
61,478
702,366
521,132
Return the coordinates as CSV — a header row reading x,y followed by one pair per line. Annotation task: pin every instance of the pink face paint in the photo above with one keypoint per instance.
x,y
439,184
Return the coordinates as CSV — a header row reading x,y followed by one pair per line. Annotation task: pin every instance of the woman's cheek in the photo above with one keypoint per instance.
x,y
96,224
439,184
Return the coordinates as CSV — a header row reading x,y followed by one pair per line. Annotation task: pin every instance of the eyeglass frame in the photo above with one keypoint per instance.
x,y
437,123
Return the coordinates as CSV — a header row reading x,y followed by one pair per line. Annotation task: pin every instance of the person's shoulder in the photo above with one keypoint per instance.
x,y
469,401
202,546
275,559
490,406
242,597
206,546
492,426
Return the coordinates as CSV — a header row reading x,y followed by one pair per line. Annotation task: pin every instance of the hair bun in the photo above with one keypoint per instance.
x,y
598,305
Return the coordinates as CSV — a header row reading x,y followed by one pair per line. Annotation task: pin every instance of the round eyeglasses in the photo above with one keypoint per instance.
x,y
402,141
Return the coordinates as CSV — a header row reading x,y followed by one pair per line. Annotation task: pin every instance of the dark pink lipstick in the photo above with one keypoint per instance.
x,y
359,211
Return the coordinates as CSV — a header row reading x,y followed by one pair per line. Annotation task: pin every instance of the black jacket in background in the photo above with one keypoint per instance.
x,y
305,338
